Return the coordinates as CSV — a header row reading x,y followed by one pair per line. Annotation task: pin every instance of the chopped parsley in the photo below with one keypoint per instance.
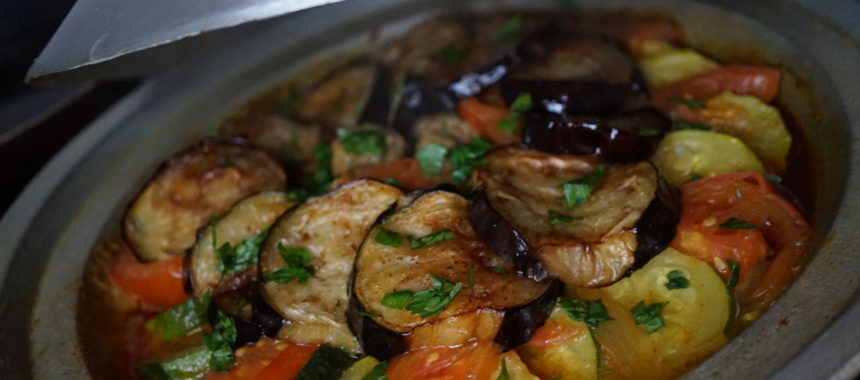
x,y
692,103
180,320
378,372
388,237
503,374
739,193
498,269
431,158
521,104
391,181
298,267
219,342
367,314
577,191
452,55
471,279
676,280
297,195
322,175
695,176
286,105
556,217
734,273
467,157
232,260
773,178
737,224
363,142
694,126
512,27
648,132
425,303
432,239
591,312
650,317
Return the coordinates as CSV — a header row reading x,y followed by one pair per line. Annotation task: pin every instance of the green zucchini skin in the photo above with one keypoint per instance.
x,y
327,363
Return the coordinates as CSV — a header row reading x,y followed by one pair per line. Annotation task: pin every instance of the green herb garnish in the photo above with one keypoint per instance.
x,y
471,279
521,104
734,273
737,224
378,372
367,314
739,193
432,239
391,181
363,142
425,303
232,260
467,157
180,320
676,280
503,374
577,191
499,269
322,175
297,260
219,342
297,195
388,237
431,158
650,317
692,103
556,217
695,176
773,178
286,105
694,126
452,55
648,132
591,312
512,27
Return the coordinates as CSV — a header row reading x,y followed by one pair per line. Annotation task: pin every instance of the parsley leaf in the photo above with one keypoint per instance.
x,y
694,126
471,279
432,239
378,372
219,341
179,320
773,178
297,195
232,260
650,317
286,105
676,280
467,157
363,142
734,273
367,314
648,132
425,303
503,374
388,237
431,158
522,103
695,176
297,260
737,224
591,312
452,55
322,175
692,103
509,124
577,191
512,27
499,269
556,217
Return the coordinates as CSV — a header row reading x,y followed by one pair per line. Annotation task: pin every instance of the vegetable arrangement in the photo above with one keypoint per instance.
x,y
491,197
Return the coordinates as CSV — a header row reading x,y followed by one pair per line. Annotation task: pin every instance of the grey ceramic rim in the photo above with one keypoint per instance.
x,y
46,236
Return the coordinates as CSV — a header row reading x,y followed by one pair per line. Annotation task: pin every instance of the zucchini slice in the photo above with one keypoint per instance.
x,y
247,220
570,353
672,65
694,318
689,154
330,228
327,363
191,187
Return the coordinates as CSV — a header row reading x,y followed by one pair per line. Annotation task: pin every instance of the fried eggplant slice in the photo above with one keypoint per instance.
x,y
243,229
190,188
416,264
592,243
365,146
328,229
289,142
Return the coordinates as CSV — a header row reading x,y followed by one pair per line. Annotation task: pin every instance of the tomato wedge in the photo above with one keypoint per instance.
x,y
158,284
768,253
485,119
405,171
761,82
553,334
475,360
288,363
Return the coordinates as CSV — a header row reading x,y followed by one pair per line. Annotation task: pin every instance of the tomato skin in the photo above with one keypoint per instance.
x,y
158,284
485,119
768,256
761,82
405,171
474,360
288,363
553,334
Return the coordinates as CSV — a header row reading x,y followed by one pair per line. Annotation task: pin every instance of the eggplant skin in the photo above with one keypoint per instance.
x,y
331,227
375,340
246,219
628,136
503,240
658,224
520,323
192,186
568,96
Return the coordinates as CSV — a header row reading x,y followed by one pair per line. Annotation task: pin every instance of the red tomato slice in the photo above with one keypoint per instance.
x,y
768,256
553,334
473,361
485,119
405,171
289,362
761,82
251,360
158,284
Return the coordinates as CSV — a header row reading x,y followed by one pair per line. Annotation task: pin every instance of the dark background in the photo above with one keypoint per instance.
x,y
36,121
